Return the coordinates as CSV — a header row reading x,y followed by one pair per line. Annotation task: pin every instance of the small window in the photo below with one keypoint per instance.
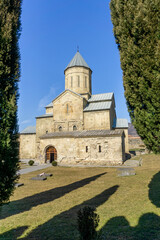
x,y
71,81
78,79
86,148
85,81
46,131
74,128
100,148
60,128
67,108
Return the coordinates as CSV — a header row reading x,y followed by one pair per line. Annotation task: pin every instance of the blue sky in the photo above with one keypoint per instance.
x,y
51,31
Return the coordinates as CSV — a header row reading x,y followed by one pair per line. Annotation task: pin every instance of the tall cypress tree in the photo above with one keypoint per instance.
x,y
137,33
10,11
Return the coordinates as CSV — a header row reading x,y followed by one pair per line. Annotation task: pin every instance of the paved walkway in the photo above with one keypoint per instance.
x,y
34,168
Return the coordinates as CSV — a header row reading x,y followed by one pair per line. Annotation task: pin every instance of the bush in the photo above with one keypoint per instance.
x,y
54,163
31,162
87,223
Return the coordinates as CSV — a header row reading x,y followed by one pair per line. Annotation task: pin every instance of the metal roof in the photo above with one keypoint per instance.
x,y
95,106
120,123
49,105
77,60
101,97
46,115
84,133
29,130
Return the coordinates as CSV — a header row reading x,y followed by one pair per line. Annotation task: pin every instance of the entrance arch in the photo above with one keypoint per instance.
x,y
51,154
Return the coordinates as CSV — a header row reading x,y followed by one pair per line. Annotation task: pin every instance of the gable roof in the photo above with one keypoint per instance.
x,y
29,130
97,106
101,97
78,61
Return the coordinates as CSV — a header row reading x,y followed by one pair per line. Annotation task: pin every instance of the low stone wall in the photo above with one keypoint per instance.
x,y
135,143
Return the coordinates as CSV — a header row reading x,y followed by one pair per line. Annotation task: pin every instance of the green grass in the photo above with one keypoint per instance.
x,y
129,207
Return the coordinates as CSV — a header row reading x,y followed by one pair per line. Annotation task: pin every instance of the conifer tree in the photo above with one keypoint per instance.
x,y
137,33
10,11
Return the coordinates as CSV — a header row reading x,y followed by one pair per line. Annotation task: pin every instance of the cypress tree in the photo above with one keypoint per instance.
x,y
137,33
10,11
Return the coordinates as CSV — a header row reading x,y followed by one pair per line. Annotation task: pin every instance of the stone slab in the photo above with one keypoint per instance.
x,y
19,184
38,178
133,163
126,172
45,175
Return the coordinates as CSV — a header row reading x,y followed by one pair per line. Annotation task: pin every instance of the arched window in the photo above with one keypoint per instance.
x,y
74,128
78,79
71,81
46,131
67,108
85,81
100,148
60,128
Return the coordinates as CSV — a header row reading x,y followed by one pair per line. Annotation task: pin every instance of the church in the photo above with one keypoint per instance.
x,y
78,127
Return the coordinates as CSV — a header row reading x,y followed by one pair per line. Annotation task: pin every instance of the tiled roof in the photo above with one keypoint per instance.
x,y
101,97
120,123
77,60
29,130
46,115
95,106
84,133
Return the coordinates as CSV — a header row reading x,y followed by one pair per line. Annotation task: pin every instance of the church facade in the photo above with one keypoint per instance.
x,y
77,127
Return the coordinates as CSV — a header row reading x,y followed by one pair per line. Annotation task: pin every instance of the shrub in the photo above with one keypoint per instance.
x,y
87,223
31,162
54,163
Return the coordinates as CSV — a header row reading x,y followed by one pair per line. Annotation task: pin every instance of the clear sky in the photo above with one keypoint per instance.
x,y
51,31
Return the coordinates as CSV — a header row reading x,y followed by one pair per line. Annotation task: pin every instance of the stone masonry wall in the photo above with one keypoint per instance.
x,y
96,120
27,146
73,150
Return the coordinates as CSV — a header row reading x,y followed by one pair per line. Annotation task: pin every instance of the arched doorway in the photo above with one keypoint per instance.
x,y
51,154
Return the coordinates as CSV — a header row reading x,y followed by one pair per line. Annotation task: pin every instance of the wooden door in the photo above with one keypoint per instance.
x,y
51,154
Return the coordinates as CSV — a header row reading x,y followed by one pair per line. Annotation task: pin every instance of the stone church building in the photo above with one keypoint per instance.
x,y
78,127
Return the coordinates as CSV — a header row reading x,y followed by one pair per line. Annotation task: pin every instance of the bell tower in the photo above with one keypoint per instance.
x,y
78,76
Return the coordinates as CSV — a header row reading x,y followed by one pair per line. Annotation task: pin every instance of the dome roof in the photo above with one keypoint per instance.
x,y
78,61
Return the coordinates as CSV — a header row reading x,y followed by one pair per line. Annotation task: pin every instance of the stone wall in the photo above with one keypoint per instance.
x,y
27,146
68,112
78,79
135,143
73,150
97,120
49,110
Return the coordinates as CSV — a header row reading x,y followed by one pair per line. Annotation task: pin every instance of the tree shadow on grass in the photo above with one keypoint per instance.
x,y
148,228
25,204
13,234
64,225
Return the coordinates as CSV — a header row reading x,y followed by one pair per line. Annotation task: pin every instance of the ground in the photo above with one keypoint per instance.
x,y
129,207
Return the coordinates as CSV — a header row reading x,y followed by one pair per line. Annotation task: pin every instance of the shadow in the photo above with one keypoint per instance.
x,y
64,225
25,204
148,227
154,190
13,234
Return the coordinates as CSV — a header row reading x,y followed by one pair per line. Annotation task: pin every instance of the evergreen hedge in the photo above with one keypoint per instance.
x,y
137,33
10,11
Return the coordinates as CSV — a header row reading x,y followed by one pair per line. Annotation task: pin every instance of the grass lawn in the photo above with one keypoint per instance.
x,y
129,207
